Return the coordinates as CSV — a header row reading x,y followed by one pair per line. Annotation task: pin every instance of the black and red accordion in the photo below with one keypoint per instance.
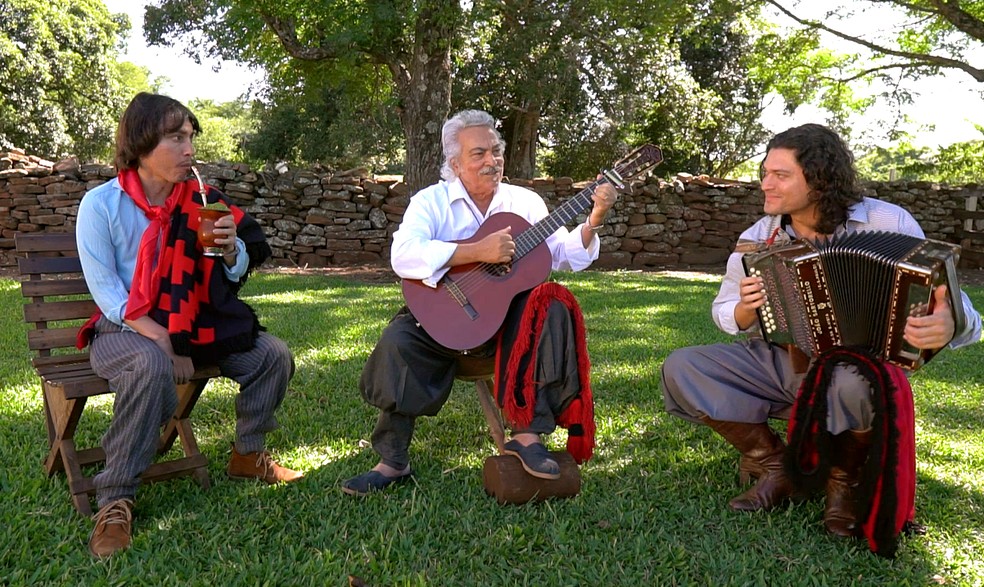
x,y
854,291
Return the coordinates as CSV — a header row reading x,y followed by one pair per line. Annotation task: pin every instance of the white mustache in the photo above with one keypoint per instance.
x,y
491,170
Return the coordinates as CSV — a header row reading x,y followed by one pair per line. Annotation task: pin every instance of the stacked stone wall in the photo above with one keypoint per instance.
x,y
319,219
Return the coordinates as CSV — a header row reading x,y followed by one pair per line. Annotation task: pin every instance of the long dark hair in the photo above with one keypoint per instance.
x,y
144,123
828,166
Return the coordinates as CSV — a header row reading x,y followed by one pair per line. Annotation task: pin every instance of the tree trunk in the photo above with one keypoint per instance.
x,y
424,87
519,129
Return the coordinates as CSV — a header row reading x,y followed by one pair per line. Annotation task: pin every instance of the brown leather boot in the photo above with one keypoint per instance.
x,y
259,465
761,457
850,450
114,522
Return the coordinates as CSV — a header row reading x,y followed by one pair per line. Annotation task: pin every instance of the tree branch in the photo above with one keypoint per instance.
x,y
286,31
959,18
924,58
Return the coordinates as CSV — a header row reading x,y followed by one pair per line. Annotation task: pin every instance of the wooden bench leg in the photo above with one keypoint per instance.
x,y
79,485
62,416
179,427
484,388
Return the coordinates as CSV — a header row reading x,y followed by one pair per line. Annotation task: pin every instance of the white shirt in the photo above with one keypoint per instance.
x,y
868,214
443,213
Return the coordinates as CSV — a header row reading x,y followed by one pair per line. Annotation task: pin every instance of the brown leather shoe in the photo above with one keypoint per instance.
x,y
114,523
850,452
259,465
761,458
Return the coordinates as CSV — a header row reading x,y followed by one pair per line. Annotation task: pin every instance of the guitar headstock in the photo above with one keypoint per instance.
x,y
640,161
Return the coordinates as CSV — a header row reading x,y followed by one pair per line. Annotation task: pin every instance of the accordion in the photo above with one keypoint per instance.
x,y
854,290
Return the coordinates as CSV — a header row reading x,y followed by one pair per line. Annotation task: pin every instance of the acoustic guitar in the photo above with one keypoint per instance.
x,y
470,302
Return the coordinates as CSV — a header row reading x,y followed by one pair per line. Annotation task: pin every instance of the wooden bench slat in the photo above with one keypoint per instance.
x,y
39,265
44,242
56,374
42,363
51,338
59,310
54,287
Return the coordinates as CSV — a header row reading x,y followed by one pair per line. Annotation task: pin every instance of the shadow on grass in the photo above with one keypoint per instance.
x,y
652,509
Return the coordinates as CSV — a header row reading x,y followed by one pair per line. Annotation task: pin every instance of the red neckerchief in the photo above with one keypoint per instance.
x,y
150,262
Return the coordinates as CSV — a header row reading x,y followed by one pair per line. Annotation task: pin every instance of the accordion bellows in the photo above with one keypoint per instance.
x,y
855,290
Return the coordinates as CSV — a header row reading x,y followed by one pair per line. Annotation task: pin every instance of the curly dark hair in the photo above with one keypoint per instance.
x,y
828,166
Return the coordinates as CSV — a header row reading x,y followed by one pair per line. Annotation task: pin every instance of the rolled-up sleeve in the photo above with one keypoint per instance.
x,y
723,307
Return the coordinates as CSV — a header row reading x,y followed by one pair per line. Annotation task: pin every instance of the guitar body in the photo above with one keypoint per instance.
x,y
470,303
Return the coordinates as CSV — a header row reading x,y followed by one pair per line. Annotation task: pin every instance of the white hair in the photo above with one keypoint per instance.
x,y
453,127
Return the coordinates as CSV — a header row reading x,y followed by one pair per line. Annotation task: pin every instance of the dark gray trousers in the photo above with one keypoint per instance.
x,y
751,381
409,375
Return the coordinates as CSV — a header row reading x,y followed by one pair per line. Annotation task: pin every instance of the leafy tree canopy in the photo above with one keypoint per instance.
x,y
955,164
61,86
910,39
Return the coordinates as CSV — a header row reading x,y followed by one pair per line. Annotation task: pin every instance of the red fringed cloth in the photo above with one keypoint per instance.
x,y
520,387
885,498
178,286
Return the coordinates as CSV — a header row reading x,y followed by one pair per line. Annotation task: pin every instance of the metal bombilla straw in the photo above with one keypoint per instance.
x,y
201,184
210,249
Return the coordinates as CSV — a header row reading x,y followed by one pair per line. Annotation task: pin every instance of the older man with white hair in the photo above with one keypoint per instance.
x,y
409,374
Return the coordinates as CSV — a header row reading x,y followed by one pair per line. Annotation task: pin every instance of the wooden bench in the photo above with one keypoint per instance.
x,y
57,303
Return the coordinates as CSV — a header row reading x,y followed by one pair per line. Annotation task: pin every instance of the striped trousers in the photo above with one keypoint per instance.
x,y
142,377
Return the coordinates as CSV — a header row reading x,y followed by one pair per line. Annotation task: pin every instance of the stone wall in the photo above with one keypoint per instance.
x,y
319,219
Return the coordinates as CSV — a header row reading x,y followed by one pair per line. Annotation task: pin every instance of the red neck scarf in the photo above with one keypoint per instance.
x,y
151,255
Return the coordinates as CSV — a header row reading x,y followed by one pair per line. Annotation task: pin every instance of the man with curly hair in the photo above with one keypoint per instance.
x,y
810,187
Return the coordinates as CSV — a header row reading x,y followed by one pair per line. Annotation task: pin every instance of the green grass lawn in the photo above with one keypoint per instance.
x,y
652,510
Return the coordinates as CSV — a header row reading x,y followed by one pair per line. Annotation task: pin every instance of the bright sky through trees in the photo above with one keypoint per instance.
x,y
952,102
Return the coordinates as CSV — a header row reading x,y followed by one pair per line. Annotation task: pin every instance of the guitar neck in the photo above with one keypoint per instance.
x,y
561,216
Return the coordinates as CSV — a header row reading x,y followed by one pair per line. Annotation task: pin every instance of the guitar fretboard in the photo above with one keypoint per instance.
x,y
642,159
563,214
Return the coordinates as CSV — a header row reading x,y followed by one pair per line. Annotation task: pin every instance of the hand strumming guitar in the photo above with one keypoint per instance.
x,y
498,247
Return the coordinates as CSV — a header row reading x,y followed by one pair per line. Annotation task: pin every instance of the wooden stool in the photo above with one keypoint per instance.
x,y
503,475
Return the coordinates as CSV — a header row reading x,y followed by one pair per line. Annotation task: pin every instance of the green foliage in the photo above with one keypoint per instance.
x,y
402,45
61,88
912,40
224,129
560,76
652,508
707,103
336,116
958,163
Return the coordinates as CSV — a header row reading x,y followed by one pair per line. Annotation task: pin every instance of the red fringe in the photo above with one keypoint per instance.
x,y
886,492
578,417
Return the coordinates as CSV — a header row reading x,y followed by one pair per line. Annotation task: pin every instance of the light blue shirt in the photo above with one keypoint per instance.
x,y
108,233
868,214
443,212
